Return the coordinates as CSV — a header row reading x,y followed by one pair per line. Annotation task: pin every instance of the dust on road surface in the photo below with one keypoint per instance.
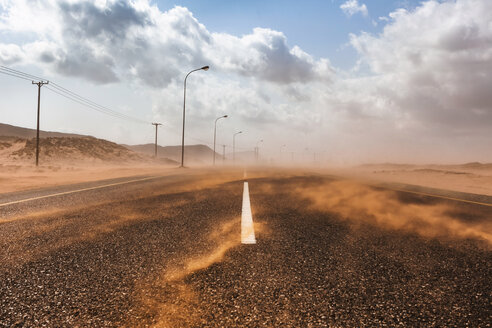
x,y
167,253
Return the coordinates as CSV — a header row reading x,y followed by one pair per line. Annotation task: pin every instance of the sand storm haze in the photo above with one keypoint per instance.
x,y
359,203
475,178
140,140
167,252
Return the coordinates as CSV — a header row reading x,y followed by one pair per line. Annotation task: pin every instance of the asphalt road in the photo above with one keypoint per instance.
x,y
166,252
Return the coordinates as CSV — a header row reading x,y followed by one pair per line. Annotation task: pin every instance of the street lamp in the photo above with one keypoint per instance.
x,y
205,68
234,147
215,132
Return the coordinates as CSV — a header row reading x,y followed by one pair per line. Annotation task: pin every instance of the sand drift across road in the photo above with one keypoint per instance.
x,y
98,186
166,251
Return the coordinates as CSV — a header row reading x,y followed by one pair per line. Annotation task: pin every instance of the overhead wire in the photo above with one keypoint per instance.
x,y
20,77
64,92
94,107
19,74
77,98
56,88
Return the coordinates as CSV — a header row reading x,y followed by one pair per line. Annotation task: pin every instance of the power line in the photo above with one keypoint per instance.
x,y
20,74
75,97
20,77
102,108
58,89
87,103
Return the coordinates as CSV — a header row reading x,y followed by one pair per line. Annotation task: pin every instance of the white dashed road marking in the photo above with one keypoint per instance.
x,y
74,191
247,229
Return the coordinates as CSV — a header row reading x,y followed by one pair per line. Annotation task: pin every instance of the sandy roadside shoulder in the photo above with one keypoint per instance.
x,y
459,179
17,178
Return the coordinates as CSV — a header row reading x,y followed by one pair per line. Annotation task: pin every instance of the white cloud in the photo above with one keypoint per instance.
x,y
352,7
422,84
110,40
10,54
435,64
265,54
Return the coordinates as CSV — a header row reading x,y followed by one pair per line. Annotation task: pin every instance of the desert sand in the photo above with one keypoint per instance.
x,y
26,177
475,178
66,160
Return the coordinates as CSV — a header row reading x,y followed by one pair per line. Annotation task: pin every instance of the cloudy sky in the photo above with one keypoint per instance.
x,y
353,81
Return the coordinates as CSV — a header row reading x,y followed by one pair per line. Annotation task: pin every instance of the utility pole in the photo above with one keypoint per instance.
x,y
156,125
223,154
39,84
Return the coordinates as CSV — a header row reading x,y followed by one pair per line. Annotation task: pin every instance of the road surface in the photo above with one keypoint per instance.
x,y
165,251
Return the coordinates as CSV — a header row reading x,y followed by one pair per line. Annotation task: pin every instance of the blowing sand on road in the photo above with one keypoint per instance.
x,y
166,251
182,164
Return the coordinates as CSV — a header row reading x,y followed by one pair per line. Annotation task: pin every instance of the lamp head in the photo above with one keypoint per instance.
x,y
225,116
205,68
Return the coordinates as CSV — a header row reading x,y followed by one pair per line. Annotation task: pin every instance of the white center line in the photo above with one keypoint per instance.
x,y
247,229
74,191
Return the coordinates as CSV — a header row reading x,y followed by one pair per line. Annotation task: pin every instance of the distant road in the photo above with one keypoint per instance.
x,y
166,252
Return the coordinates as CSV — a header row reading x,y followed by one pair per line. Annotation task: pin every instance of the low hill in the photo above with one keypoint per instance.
x,y
73,150
199,154
18,146
26,133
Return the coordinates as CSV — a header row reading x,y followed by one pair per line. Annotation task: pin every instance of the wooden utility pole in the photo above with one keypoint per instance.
x,y
156,125
39,84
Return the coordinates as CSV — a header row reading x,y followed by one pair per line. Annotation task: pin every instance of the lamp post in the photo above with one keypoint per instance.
x,y
234,147
215,132
205,68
